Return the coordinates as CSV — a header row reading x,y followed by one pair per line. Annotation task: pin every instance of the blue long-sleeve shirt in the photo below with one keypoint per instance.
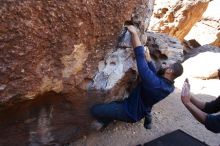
x,y
212,122
149,91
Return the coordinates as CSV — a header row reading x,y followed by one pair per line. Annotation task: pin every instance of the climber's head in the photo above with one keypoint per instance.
x,y
172,71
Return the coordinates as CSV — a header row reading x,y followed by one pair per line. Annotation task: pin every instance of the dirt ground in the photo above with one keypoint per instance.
x,y
168,115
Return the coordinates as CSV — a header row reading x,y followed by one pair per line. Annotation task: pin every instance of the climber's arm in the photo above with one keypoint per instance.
x,y
147,75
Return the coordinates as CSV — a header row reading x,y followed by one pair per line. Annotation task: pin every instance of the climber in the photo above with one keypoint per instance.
x,y
202,110
154,87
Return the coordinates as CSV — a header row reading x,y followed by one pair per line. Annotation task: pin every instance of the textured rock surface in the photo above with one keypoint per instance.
x,y
176,18
164,49
51,57
206,31
191,44
59,58
56,45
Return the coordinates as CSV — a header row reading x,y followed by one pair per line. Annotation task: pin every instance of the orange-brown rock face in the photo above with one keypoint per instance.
x,y
176,18
206,31
51,54
48,45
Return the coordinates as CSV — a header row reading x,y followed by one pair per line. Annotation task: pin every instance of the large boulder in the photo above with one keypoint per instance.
x,y
59,58
164,49
51,56
55,46
206,31
176,18
118,70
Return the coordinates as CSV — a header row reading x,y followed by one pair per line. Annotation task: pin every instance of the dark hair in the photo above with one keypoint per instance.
x,y
177,69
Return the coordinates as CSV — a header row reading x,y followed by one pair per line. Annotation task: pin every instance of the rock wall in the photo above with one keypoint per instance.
x,y
113,71
52,55
164,49
58,58
206,31
55,46
176,18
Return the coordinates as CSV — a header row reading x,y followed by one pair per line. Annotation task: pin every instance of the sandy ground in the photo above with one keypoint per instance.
x,y
168,115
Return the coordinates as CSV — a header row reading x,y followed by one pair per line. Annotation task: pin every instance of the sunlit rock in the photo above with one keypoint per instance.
x,y
176,18
206,31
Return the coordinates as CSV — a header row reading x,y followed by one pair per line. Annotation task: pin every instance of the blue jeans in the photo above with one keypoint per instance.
x,y
106,113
